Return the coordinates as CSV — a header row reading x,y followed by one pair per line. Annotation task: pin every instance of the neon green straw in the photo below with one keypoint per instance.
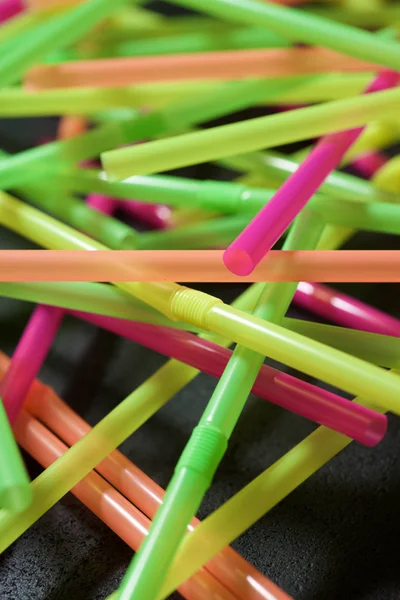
x,y
303,27
245,508
205,449
58,479
15,490
253,134
58,32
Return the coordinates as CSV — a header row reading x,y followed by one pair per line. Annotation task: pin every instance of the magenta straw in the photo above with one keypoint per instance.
x,y
247,250
156,216
101,203
28,357
304,399
10,8
368,164
344,310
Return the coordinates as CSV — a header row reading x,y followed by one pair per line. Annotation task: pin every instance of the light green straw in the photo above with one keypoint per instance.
x,y
15,490
58,32
302,27
253,134
361,208
205,449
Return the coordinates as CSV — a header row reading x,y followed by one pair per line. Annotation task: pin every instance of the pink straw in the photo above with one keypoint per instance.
x,y
247,250
156,216
28,357
368,164
9,9
345,310
304,399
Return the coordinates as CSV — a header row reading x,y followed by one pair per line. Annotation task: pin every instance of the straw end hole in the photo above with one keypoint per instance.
x,y
238,262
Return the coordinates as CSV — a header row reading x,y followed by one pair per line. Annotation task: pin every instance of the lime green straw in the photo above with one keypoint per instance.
x,y
16,102
303,27
129,415
15,490
205,449
253,134
201,41
226,98
209,313
58,32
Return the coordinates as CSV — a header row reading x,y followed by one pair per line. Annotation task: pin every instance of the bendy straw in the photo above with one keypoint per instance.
x,y
253,501
221,66
303,27
249,135
305,399
367,266
207,445
246,251
106,502
229,567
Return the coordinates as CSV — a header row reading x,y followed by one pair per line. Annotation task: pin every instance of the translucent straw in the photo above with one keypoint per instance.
x,y
303,27
249,135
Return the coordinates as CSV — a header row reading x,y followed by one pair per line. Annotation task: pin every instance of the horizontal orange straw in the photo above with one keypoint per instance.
x,y
235,573
378,266
222,66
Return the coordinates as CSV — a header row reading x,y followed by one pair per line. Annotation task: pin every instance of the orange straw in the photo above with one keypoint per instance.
x,y
230,568
108,504
368,266
227,65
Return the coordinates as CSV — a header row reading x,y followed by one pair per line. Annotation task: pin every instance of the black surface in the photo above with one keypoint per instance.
x,y
335,537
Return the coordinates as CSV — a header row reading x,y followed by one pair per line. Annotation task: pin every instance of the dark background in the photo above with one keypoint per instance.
x,y
335,537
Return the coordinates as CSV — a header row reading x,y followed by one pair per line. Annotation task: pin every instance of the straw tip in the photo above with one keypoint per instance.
x,y
16,498
376,431
239,262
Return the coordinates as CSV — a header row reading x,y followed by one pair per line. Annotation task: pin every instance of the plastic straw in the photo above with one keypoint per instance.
x,y
15,490
388,176
201,41
303,27
88,100
249,135
107,503
222,66
305,399
345,310
365,266
58,32
229,567
246,251
9,9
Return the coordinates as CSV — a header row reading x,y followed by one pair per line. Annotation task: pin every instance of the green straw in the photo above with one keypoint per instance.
x,y
15,490
249,135
256,499
203,453
58,479
302,27
58,32
201,41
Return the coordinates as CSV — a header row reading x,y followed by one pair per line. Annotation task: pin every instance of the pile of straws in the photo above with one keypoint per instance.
x,y
132,88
